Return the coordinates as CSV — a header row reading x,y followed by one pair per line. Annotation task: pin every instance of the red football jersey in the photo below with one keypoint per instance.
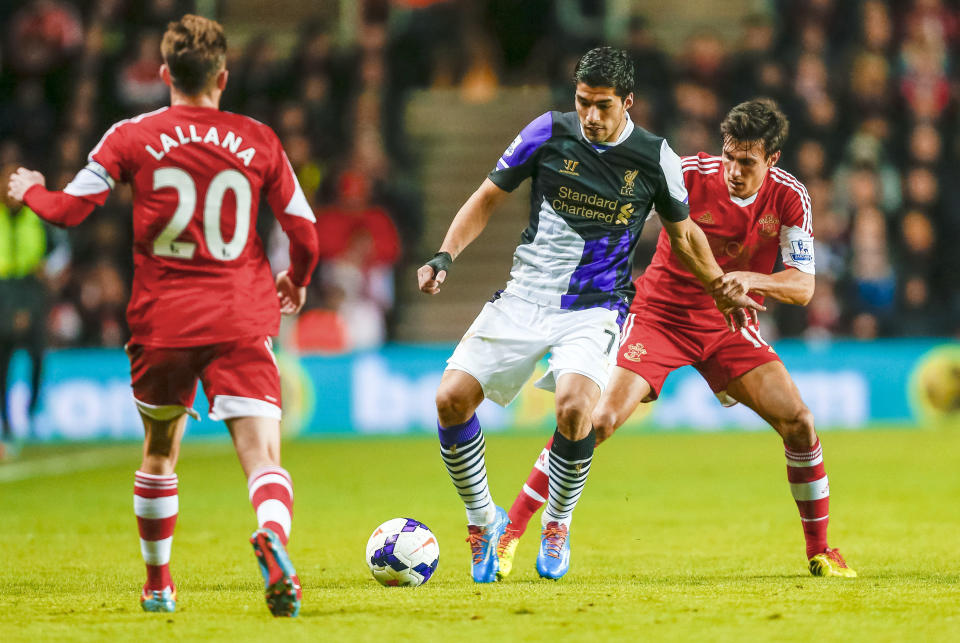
x,y
744,234
200,272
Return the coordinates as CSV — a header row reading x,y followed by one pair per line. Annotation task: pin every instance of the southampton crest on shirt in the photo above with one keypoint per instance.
x,y
769,225
634,352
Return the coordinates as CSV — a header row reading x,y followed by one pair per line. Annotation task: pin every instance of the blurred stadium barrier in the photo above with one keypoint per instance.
x,y
851,385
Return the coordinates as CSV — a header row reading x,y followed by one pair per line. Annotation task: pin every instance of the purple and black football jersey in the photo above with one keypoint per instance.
x,y
588,205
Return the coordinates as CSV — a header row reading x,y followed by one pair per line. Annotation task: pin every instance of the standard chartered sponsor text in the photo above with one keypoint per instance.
x,y
579,204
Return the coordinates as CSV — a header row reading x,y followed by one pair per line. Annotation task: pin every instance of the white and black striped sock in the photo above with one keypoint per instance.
x,y
462,447
569,464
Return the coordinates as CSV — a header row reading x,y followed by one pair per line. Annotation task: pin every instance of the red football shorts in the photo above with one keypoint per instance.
x,y
653,348
240,379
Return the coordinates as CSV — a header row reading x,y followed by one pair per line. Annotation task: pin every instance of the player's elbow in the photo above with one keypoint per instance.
x,y
805,292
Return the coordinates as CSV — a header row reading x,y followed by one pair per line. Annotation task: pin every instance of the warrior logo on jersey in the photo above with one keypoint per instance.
x,y
769,225
628,178
802,251
570,167
626,211
634,352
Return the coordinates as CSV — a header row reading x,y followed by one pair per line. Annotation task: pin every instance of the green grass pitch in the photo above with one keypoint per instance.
x,y
677,537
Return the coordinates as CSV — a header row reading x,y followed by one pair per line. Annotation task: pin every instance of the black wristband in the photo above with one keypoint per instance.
x,y
440,261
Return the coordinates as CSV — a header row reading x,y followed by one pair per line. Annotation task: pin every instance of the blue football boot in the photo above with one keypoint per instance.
x,y
282,585
483,547
154,600
553,561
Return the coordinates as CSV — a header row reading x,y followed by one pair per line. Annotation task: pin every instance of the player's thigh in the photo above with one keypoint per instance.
x,y
502,347
769,390
164,380
652,348
624,393
741,367
581,342
242,379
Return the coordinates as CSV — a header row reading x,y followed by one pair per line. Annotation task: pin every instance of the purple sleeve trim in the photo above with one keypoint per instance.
x,y
528,140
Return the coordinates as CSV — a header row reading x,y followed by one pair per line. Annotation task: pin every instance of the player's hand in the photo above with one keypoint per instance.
x,y
430,282
738,311
432,274
21,181
730,292
732,284
292,297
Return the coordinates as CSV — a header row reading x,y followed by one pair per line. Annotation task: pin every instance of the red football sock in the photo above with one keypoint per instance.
x,y
156,504
533,494
811,490
271,494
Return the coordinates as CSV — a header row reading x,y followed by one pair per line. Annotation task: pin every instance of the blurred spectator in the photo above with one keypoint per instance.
x,y
42,36
873,276
25,246
359,245
140,87
354,217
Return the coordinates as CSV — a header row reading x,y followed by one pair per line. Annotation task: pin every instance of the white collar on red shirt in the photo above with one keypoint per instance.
x,y
744,202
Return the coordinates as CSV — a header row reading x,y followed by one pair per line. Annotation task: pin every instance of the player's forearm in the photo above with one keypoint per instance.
x,y
304,249
58,208
690,245
789,286
472,218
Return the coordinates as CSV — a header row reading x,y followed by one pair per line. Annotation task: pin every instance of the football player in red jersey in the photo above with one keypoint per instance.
x,y
750,210
204,302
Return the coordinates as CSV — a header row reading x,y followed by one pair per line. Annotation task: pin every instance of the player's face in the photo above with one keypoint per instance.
x,y
745,165
602,113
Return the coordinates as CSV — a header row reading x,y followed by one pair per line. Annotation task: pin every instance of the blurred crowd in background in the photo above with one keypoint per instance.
x,y
870,88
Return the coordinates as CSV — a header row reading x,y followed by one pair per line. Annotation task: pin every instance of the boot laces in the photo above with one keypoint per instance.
x,y
477,540
555,535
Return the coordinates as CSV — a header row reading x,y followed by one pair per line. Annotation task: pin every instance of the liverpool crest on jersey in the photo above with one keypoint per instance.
x,y
628,178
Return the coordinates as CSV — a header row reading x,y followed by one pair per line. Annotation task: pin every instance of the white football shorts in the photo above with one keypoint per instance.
x,y
510,335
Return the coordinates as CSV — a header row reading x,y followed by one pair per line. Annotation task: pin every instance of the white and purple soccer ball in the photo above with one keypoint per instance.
x,y
402,552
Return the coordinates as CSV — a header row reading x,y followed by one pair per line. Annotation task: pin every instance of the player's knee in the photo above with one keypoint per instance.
x,y
159,445
573,419
161,437
604,423
798,430
452,406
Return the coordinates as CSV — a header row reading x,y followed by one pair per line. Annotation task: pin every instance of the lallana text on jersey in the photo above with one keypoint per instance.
x,y
230,141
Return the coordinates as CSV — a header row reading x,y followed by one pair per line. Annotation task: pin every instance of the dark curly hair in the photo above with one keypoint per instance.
x,y
759,119
606,67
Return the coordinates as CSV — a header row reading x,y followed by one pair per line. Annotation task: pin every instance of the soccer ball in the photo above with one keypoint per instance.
x,y
403,552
